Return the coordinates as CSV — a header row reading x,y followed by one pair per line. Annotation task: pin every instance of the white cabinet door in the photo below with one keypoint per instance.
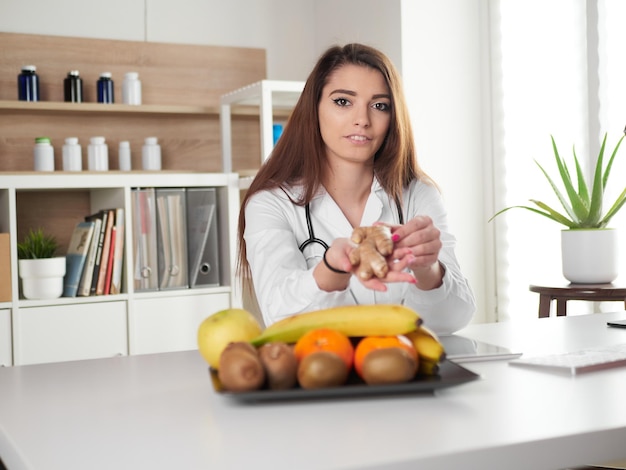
x,y
6,344
71,332
171,323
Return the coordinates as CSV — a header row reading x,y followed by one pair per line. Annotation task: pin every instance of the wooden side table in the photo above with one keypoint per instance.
x,y
567,291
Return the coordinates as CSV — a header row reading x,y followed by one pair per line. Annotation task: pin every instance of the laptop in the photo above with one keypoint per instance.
x,y
617,323
460,349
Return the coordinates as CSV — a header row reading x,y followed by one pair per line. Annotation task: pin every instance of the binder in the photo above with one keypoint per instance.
x,y
172,238
202,237
145,273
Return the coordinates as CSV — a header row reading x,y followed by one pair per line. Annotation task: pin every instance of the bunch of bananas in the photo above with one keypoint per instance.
x,y
361,321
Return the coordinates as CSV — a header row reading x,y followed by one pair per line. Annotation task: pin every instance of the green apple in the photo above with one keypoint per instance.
x,y
222,328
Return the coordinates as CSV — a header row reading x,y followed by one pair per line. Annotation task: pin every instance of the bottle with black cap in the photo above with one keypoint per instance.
x,y
73,87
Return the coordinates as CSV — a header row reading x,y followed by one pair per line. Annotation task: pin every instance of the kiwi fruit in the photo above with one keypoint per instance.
x,y
322,369
280,364
240,368
388,366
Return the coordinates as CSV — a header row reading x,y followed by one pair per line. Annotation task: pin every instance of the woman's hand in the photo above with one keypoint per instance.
x,y
420,240
337,257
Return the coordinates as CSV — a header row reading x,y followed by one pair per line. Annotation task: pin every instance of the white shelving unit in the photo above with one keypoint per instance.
x,y
62,329
269,96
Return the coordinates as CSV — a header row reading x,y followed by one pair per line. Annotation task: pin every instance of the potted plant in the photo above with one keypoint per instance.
x,y
39,268
588,246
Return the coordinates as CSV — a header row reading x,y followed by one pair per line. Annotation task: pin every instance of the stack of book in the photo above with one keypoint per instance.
x,y
95,255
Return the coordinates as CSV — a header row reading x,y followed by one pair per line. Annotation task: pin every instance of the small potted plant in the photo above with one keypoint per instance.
x,y
588,246
40,270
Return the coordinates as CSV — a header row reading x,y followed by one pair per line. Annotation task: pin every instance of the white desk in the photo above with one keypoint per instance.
x,y
160,412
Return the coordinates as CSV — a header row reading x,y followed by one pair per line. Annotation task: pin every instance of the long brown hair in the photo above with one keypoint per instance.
x,y
299,155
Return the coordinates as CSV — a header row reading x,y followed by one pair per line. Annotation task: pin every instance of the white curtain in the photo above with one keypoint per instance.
x,y
556,70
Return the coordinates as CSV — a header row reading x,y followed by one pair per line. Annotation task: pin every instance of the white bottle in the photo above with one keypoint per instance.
x,y
98,154
131,89
44,154
124,156
72,155
151,154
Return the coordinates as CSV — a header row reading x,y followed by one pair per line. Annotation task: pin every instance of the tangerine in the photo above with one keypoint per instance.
x,y
325,339
371,343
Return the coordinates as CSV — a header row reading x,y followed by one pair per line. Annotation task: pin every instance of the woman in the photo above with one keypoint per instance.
x,y
346,159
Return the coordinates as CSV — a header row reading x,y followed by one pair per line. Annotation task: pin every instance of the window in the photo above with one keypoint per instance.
x,y
558,70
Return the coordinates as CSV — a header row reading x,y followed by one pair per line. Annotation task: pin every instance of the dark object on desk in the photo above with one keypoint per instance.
x,y
567,291
450,374
617,323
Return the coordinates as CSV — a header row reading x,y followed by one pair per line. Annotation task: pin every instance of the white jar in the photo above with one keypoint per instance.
x,y
43,154
98,154
131,89
124,156
151,154
72,155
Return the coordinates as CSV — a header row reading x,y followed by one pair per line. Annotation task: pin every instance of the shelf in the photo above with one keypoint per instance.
x,y
67,181
62,107
267,97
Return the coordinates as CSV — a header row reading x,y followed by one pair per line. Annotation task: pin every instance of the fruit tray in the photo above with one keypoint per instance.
x,y
450,374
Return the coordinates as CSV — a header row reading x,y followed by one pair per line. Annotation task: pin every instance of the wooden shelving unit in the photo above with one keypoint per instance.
x,y
181,89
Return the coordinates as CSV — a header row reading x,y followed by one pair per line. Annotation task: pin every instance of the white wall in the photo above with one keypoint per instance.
x,y
444,73
435,44
282,27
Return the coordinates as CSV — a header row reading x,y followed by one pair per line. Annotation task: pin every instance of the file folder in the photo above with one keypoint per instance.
x,y
145,272
172,238
202,237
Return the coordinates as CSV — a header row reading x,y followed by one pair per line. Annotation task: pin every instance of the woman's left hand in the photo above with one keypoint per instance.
x,y
420,240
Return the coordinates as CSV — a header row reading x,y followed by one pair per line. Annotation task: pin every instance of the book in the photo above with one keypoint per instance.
x,y
106,246
84,287
110,255
5,267
118,257
103,216
145,270
202,237
76,256
171,238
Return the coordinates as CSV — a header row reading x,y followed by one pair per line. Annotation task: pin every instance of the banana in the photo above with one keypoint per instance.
x,y
427,344
351,320
427,368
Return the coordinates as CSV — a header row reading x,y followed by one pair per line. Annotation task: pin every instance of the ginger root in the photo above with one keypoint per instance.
x,y
373,245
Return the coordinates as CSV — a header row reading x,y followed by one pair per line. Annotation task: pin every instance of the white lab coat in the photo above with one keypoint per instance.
x,y
282,274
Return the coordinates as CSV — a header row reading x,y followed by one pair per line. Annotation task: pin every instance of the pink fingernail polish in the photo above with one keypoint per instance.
x,y
395,237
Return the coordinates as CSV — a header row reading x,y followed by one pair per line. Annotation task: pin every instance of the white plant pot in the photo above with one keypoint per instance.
x,y
589,256
42,279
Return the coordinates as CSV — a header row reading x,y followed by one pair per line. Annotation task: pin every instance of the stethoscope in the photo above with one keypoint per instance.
x,y
313,239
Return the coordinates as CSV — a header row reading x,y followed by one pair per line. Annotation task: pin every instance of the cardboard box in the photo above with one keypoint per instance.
x,y
5,268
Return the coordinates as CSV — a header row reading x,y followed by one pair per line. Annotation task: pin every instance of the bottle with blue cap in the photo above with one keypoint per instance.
x,y
28,84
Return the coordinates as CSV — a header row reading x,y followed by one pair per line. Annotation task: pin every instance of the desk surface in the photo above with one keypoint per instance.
x,y
160,412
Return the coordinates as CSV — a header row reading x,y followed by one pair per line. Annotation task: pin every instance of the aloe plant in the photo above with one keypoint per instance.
x,y
583,209
37,245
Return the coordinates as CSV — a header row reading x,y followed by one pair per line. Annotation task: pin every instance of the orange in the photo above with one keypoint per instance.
x,y
325,339
371,343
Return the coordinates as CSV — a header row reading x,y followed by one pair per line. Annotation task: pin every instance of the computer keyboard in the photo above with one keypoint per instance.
x,y
577,362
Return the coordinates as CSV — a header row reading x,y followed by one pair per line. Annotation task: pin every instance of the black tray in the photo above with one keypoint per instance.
x,y
450,374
